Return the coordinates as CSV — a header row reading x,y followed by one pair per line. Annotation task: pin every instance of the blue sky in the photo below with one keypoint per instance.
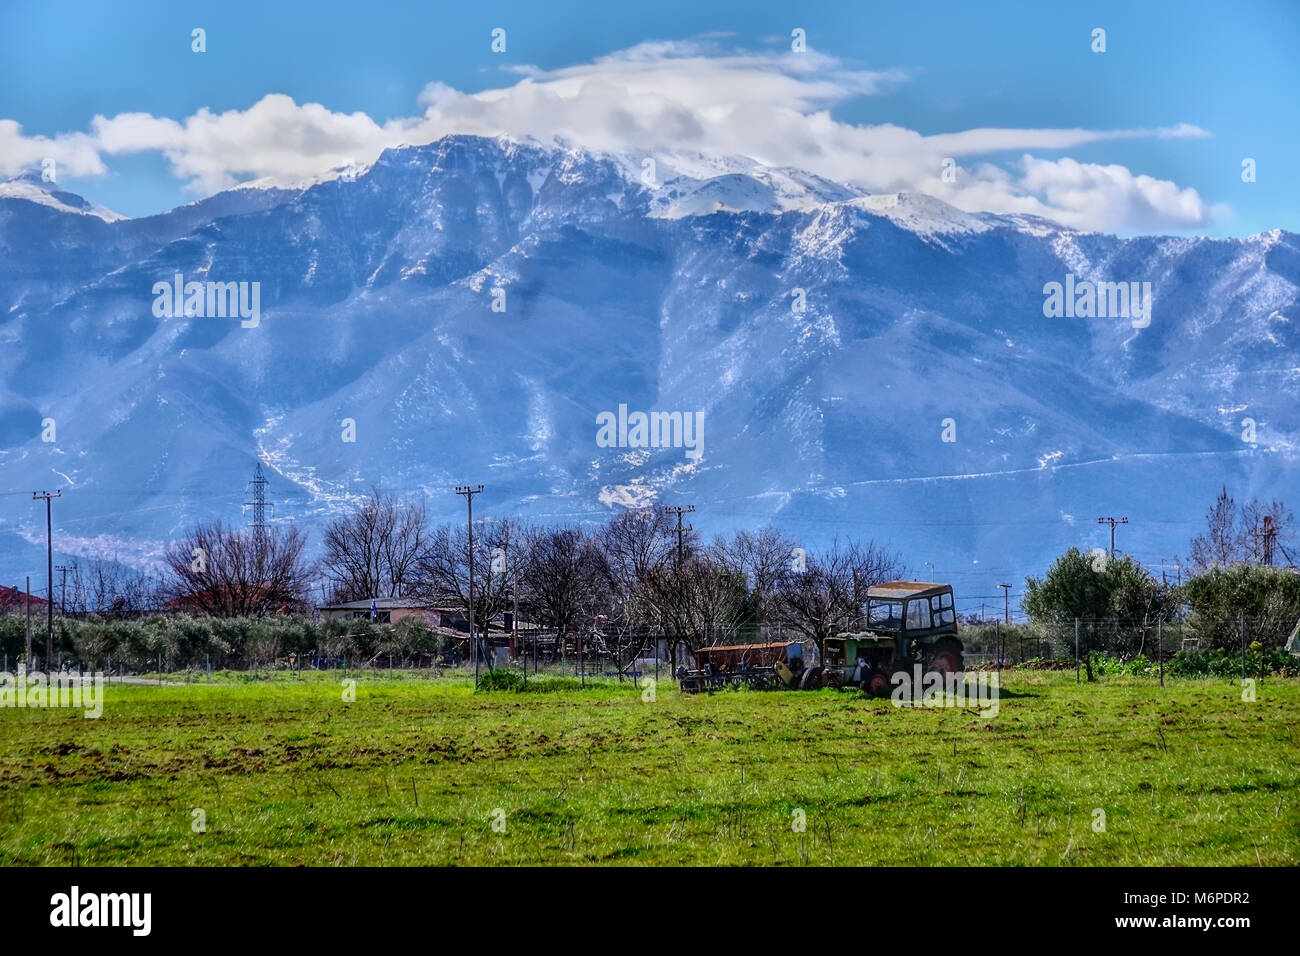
x,y
1148,136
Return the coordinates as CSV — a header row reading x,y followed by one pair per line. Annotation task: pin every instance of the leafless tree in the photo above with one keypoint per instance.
x,y
1237,537
826,597
226,572
1255,516
696,602
442,572
102,584
1223,542
375,551
564,579
762,559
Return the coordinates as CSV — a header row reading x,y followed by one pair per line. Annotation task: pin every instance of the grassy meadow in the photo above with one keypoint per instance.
x,y
426,771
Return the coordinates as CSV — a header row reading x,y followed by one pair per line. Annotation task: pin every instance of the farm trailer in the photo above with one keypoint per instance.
x,y
759,666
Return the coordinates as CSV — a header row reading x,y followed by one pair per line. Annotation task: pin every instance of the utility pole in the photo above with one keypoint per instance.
x,y
469,494
678,511
1006,601
27,599
1269,534
63,588
49,573
1112,522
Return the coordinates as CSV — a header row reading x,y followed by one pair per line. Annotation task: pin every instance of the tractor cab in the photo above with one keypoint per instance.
x,y
911,610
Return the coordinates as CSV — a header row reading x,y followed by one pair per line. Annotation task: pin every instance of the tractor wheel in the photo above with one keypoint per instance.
x,y
945,656
832,678
904,664
796,668
812,679
876,683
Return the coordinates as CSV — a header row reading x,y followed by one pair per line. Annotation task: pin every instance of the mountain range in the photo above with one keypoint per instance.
x,y
864,366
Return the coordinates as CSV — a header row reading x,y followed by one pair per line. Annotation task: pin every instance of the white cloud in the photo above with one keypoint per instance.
x,y
675,96
74,154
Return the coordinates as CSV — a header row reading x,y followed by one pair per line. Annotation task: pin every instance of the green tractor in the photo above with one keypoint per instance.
x,y
906,623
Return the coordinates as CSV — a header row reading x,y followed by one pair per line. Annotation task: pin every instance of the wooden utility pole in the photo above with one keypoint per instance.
x,y
63,588
27,599
1006,602
49,573
1112,522
469,494
681,531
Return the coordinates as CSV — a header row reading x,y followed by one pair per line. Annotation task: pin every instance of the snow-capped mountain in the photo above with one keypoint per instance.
x,y
473,305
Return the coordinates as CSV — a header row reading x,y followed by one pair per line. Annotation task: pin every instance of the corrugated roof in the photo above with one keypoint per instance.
x,y
904,589
387,604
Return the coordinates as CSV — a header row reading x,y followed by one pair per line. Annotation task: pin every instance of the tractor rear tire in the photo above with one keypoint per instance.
x,y
812,679
876,683
945,656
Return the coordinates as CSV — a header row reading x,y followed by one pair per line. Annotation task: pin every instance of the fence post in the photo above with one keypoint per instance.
x,y
1160,648
1076,650
1241,624
997,645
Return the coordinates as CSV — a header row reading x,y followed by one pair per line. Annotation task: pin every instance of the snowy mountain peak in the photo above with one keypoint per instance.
x,y
923,214
32,188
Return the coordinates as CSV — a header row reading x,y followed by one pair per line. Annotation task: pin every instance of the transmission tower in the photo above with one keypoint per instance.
x,y
258,506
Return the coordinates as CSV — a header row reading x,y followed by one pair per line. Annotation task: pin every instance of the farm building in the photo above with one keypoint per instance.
x,y
14,601
392,610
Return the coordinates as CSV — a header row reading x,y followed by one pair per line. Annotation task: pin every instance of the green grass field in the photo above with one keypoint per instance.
x,y
416,771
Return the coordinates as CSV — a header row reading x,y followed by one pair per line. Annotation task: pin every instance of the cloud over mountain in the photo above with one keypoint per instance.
x,y
681,96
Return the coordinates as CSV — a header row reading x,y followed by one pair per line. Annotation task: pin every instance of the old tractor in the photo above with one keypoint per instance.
x,y
905,623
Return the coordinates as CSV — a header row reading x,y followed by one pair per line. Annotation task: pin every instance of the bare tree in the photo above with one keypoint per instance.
x,y
762,559
102,584
1223,543
826,597
225,572
634,543
1238,537
564,578
442,571
697,602
375,551
1260,520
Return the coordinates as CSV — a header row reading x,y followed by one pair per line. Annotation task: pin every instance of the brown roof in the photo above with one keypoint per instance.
x,y
12,597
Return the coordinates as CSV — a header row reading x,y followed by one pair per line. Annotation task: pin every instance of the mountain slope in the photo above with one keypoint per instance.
x,y
377,300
